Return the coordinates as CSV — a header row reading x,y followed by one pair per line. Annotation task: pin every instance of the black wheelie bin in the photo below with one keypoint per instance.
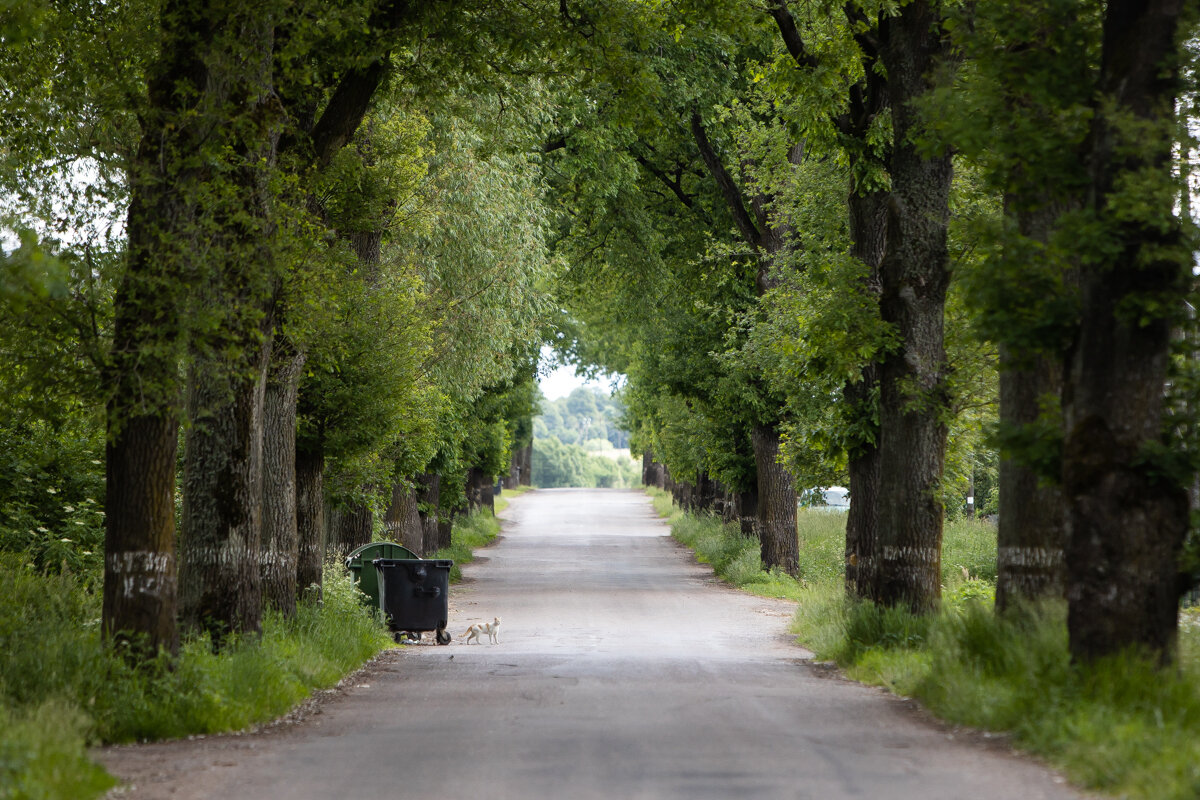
x,y
362,569
414,594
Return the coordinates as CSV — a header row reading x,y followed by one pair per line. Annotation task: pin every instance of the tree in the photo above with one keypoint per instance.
x,y
1125,489
1034,88
191,132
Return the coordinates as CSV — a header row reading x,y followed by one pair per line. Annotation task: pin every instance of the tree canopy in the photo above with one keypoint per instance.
x,y
922,249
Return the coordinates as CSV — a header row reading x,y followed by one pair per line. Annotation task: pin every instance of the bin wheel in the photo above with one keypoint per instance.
x,y
443,636
407,636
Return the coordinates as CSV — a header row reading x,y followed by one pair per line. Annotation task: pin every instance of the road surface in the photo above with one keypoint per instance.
x,y
623,670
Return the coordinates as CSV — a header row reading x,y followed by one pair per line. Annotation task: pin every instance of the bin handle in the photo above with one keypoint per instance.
x,y
427,591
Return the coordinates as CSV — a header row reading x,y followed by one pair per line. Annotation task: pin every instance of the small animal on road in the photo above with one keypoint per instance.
x,y
492,629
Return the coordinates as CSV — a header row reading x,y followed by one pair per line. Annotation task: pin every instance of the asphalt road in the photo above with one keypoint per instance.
x,y
623,670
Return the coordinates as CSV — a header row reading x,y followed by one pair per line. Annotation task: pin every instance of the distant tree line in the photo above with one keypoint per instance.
x,y
585,414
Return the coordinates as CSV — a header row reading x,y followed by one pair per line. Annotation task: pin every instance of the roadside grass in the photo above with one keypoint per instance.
x,y
1122,726
502,499
470,532
62,689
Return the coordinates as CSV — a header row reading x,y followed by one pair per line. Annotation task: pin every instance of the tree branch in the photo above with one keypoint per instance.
x,y
791,35
352,97
729,189
674,185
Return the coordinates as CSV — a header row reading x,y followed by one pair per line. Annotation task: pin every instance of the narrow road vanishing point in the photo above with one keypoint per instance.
x,y
623,670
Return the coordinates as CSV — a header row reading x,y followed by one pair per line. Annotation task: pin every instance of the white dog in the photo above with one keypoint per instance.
x,y
492,629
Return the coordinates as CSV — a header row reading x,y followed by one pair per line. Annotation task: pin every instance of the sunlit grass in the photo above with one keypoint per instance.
x,y
501,501
470,533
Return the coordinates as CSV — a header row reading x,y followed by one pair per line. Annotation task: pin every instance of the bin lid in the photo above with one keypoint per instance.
x,y
369,552
359,563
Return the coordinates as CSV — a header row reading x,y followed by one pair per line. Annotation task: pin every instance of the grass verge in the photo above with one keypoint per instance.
x,y
470,532
1121,726
62,689
504,497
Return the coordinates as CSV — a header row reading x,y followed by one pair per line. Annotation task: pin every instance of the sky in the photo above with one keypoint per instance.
x,y
562,380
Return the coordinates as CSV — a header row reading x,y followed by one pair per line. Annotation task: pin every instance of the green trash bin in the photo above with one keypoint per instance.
x,y
363,571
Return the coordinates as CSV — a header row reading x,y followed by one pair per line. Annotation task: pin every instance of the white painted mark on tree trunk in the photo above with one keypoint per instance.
x,y
919,554
141,572
1038,557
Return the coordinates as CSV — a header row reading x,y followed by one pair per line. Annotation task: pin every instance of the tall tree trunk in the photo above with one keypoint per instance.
x,y
702,494
142,416
748,511
776,519
862,519
429,489
349,527
513,479
310,523
219,580
1031,535
527,465
402,520
868,235
445,530
139,545
220,587
1031,538
1127,503
280,538
480,492
914,277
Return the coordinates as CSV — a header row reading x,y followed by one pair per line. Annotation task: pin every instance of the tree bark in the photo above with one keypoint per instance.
x,y
869,99
219,545
527,465
868,237
142,416
748,511
310,523
1127,503
706,494
429,488
350,527
140,584
479,488
914,277
776,518
1031,535
402,520
219,579
445,531
862,519
280,537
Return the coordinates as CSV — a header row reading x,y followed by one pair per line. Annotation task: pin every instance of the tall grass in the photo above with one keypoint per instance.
x,y
1121,726
470,532
62,688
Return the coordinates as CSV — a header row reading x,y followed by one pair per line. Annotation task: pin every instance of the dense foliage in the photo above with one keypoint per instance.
x,y
274,279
